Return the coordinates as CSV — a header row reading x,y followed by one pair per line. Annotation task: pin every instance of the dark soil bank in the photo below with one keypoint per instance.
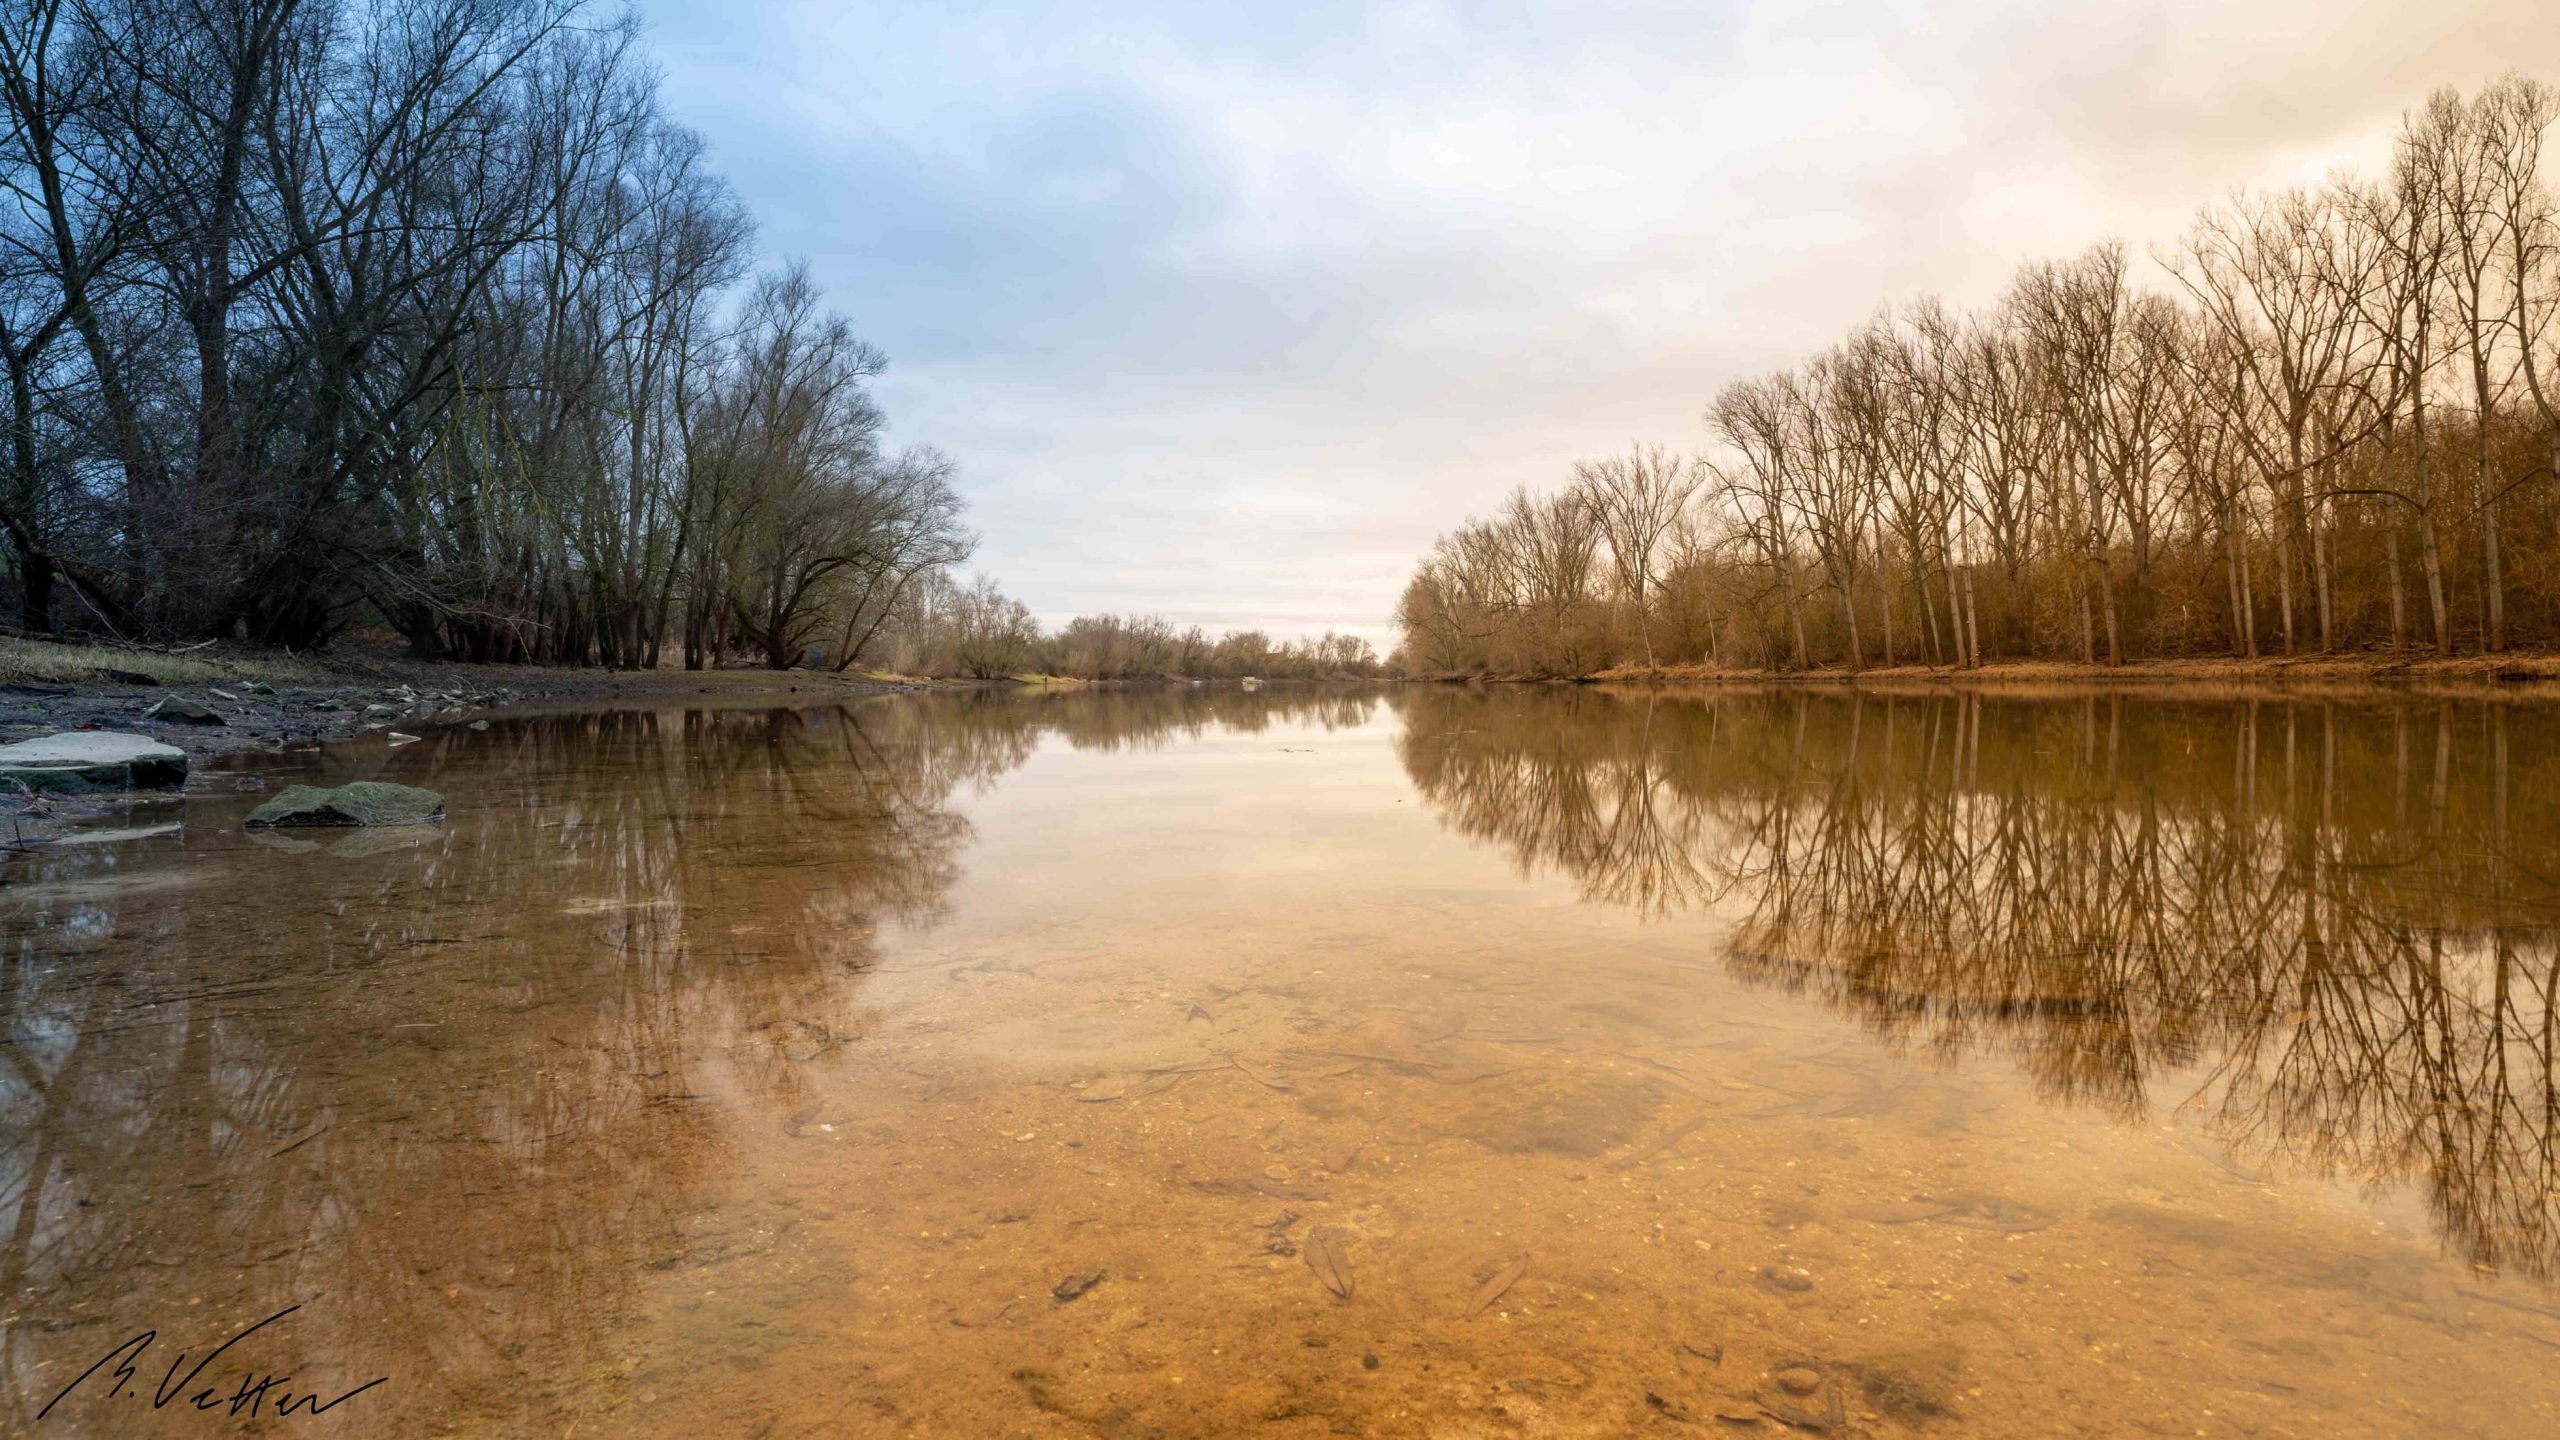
x,y
258,715
261,711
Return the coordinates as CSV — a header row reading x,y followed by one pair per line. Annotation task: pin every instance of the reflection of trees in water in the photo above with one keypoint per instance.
x,y
2334,908
1568,784
455,1092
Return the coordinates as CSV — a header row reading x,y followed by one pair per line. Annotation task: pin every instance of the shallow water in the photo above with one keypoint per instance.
x,y
991,1065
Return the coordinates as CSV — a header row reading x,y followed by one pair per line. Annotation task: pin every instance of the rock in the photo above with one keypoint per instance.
x,y
1074,1286
1787,1280
350,844
94,760
1785,1410
479,724
1668,1407
385,713
178,709
365,802
1797,1380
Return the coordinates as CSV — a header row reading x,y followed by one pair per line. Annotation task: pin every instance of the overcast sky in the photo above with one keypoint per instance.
x,y
1226,311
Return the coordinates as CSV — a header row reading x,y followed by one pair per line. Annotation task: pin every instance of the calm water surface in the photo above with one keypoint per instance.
x,y
1043,1066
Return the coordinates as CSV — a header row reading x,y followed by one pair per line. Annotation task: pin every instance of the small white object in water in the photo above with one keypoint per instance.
x,y
399,739
116,837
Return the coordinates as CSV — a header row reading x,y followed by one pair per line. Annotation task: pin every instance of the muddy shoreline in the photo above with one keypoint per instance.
x,y
263,714
268,706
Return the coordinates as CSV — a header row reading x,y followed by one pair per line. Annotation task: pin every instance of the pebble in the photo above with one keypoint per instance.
x,y
1797,1380
1793,1282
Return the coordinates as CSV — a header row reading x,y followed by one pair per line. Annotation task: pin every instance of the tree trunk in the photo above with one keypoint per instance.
x,y
2248,603
1972,619
2493,580
2284,586
1795,610
2107,601
35,602
2493,586
2322,590
1849,607
2399,589
1644,632
2431,560
1884,603
2231,579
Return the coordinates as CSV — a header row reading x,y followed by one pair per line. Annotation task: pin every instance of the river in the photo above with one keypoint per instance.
x,y
1414,1061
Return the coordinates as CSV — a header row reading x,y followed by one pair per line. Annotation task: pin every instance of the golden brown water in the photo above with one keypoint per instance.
x,y
2010,1068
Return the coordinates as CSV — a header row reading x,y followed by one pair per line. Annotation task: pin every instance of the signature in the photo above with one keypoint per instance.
x,y
256,1390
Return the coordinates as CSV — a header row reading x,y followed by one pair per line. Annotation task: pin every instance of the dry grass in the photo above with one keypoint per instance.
x,y
46,662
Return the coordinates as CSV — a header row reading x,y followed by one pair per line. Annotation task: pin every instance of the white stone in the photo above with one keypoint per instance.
x,y
94,760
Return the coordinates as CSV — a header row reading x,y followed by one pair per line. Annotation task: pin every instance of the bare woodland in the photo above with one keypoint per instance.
x,y
318,317
976,631
2331,424
315,313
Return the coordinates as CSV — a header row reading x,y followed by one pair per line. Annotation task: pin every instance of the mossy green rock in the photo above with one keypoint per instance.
x,y
363,802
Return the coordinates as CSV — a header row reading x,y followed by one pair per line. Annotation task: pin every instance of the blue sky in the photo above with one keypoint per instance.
x,y
1226,310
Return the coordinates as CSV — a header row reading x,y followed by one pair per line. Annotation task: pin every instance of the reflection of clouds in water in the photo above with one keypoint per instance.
x,y
462,1086
2332,908
515,1017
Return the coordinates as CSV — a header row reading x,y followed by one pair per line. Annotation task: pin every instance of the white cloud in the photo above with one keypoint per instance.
x,y
1226,313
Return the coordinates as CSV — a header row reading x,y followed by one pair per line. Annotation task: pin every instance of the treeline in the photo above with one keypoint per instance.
x,y
977,631
314,313
2335,426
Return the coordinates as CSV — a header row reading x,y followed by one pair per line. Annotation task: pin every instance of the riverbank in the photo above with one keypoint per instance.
x,y
265,701
2535,671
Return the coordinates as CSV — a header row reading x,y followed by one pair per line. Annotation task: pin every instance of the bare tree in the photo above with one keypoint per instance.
x,y
1637,499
